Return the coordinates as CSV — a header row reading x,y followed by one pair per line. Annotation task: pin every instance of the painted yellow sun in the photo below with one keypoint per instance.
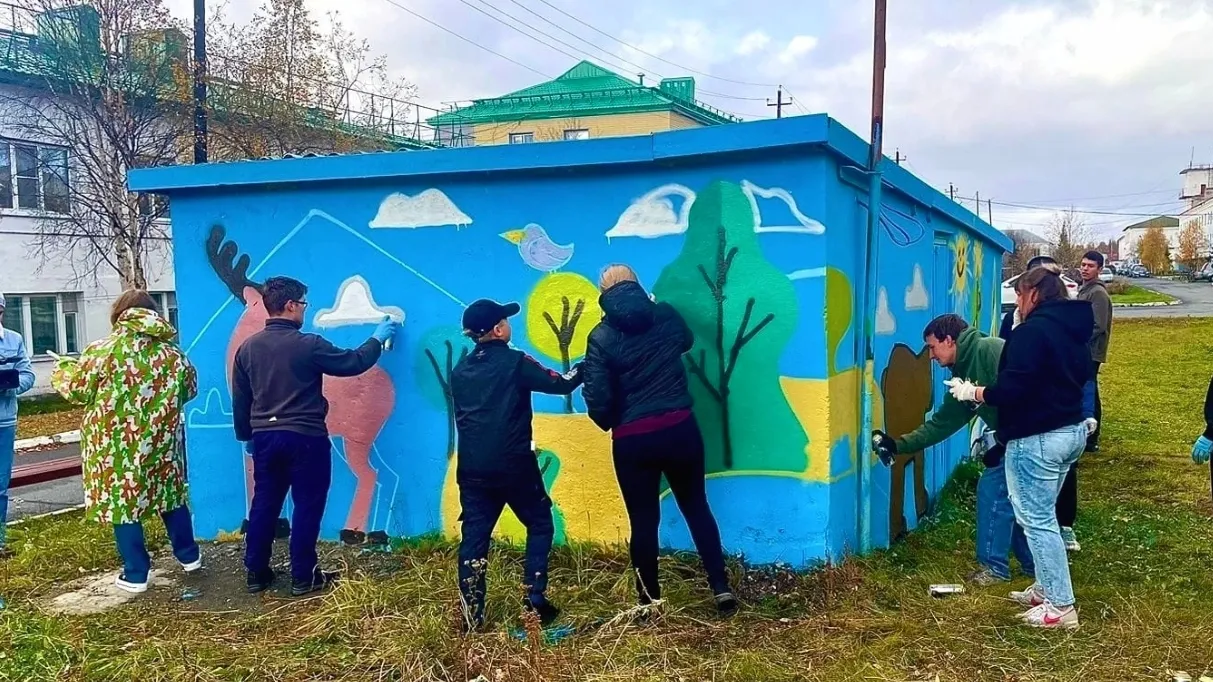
x,y
960,256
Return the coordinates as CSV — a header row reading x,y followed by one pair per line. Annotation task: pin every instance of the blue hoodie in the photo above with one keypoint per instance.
x,y
13,356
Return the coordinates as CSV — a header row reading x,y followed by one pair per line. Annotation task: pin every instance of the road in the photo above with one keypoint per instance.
x,y
1197,300
45,497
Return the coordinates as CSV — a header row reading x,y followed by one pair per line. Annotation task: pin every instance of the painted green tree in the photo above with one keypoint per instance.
x,y
743,312
441,349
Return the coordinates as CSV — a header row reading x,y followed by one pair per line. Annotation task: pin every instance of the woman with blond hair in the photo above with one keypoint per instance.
x,y
134,384
636,387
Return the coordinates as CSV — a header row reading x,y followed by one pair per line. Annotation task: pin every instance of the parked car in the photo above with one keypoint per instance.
x,y
1204,274
1008,290
1138,271
1106,275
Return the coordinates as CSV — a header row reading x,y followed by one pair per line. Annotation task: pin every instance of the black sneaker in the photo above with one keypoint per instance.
x,y
548,612
260,581
321,580
726,605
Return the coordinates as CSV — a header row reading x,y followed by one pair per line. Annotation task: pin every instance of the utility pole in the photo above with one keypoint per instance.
x,y
200,81
897,156
779,104
952,191
977,201
990,211
865,351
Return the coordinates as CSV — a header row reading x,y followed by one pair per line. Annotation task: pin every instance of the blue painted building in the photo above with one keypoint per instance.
x,y
755,232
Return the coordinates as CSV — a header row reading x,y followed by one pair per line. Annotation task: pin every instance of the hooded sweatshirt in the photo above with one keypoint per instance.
x,y
977,357
633,362
1045,365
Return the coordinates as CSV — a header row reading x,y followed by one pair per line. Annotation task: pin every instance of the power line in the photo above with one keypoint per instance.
x,y
466,40
1075,210
650,54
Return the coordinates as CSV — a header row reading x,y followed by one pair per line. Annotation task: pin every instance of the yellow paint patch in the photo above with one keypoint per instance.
x,y
585,490
828,410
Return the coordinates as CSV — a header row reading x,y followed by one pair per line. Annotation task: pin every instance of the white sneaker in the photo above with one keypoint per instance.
x,y
193,565
1049,616
134,588
1070,539
1033,596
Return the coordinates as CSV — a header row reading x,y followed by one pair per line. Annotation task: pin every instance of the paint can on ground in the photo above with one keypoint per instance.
x,y
1180,676
941,591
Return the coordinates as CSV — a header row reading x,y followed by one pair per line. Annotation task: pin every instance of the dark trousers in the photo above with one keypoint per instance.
x,y
282,461
136,563
1067,500
481,506
1093,439
640,461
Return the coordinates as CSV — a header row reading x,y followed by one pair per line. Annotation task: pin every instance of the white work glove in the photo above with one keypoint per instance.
x,y
1091,425
962,390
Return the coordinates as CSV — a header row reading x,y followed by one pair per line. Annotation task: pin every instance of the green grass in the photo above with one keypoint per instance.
x,y
1144,581
1135,294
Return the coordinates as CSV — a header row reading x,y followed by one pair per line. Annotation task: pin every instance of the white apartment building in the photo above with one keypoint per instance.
x,y
1197,191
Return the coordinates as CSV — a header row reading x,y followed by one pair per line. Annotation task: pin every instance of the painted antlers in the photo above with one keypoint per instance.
x,y
232,271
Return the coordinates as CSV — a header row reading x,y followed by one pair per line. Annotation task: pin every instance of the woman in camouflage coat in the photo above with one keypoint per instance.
x,y
134,384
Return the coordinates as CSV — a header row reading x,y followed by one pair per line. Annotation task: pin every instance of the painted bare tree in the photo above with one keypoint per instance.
x,y
442,349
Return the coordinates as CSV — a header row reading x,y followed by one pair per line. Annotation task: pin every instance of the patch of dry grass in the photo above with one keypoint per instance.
x,y
48,423
1143,580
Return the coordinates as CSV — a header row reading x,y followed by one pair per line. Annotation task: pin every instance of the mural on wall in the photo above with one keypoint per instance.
x,y
742,311
960,274
560,313
765,288
441,349
906,384
358,406
975,274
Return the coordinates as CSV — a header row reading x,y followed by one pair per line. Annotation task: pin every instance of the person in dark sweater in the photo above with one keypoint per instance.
x,y
1039,396
636,387
1203,446
1067,501
279,411
497,466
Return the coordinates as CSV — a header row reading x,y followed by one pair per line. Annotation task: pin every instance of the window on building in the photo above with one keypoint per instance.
x,y
34,177
167,302
577,134
153,206
522,138
47,322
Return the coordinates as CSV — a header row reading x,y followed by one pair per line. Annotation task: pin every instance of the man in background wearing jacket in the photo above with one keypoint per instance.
x,y
972,356
1094,291
279,411
491,388
16,377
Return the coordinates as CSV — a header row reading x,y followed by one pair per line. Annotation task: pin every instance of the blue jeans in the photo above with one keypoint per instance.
x,y
8,435
1036,470
997,533
303,465
481,506
136,563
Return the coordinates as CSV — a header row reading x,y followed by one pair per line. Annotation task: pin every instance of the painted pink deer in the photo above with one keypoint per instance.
x,y
358,406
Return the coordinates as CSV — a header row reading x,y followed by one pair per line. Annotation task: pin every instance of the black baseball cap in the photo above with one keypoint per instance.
x,y
480,317
1037,261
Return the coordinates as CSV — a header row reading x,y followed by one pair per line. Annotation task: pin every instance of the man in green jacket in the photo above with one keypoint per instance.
x,y
1093,290
973,356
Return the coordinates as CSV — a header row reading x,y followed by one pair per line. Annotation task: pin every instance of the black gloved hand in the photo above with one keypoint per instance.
x,y
885,447
994,455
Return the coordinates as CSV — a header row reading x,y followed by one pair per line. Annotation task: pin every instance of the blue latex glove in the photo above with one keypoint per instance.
x,y
1201,450
386,329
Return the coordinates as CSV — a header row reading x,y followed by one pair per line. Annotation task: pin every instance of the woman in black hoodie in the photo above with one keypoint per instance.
x,y
636,387
1039,395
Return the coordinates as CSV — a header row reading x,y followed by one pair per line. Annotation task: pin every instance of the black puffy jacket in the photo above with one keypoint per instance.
x,y
633,364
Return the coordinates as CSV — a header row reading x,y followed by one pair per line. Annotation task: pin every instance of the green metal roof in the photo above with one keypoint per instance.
x,y
586,90
1159,221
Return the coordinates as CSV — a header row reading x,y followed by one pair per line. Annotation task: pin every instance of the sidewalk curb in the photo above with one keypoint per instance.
x,y
65,438
1146,305
44,515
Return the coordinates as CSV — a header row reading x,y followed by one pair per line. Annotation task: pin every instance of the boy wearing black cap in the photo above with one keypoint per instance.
x,y
497,466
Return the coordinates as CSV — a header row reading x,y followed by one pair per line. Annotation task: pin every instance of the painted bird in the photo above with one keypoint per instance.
x,y
537,249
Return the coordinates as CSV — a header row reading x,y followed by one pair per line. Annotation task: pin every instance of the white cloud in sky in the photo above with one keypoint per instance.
x,y
796,48
754,41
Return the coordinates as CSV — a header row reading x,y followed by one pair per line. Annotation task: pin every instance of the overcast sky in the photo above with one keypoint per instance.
x,y
1099,104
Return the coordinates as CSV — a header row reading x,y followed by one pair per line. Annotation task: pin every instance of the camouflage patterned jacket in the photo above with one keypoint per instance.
x,y
134,384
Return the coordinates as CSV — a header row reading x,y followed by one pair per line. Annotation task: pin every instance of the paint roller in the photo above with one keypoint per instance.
x,y
398,319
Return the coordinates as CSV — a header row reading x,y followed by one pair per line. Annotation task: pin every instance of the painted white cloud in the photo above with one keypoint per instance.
x,y
654,214
754,41
430,208
885,324
796,48
916,293
355,305
806,225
